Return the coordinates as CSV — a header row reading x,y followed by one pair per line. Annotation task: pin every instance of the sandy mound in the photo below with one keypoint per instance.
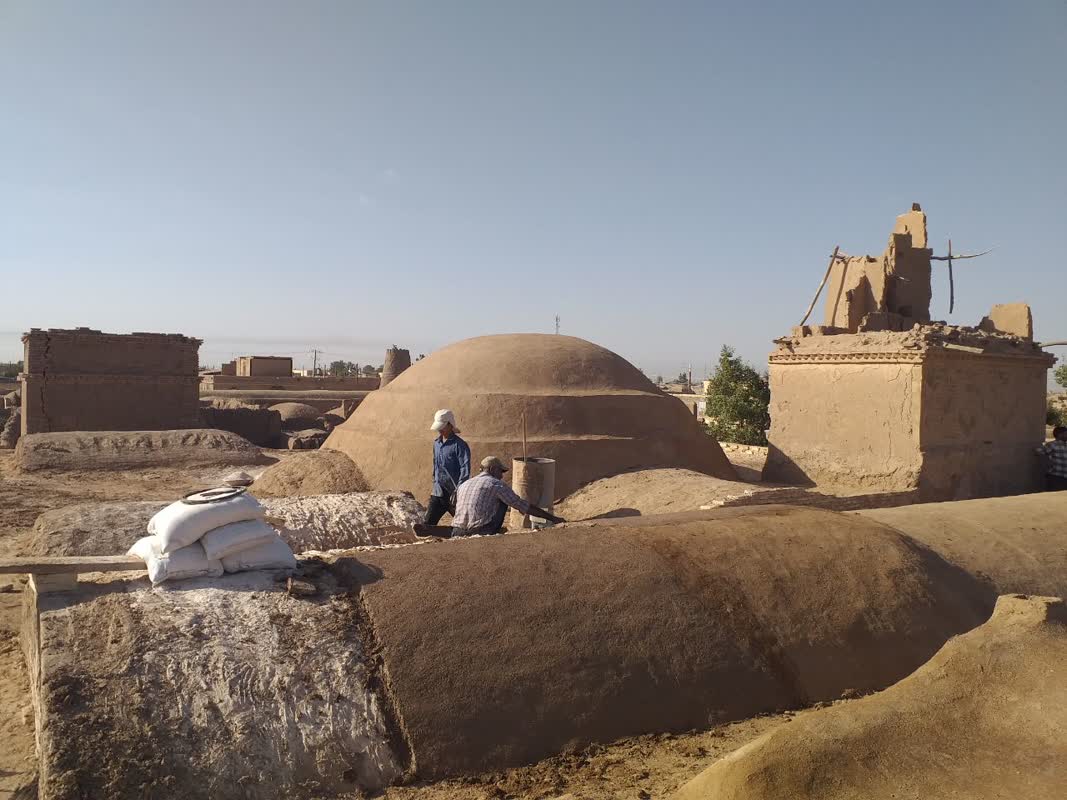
x,y
310,473
586,407
296,415
339,521
655,491
328,522
130,449
224,688
1016,544
531,643
983,719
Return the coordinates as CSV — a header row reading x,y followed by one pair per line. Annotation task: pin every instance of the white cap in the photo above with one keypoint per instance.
x,y
442,418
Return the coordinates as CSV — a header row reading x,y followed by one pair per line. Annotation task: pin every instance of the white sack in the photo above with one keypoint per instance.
x,y
275,554
180,524
185,562
235,537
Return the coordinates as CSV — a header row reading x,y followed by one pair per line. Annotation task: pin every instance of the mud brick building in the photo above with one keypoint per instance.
x,y
86,380
882,398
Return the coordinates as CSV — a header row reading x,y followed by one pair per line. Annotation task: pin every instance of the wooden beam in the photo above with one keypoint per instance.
x,y
68,565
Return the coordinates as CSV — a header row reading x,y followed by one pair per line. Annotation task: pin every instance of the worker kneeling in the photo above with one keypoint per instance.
x,y
482,503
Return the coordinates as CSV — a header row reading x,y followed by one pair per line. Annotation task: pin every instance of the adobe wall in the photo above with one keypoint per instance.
x,y
844,423
982,416
265,366
288,383
953,413
85,380
260,426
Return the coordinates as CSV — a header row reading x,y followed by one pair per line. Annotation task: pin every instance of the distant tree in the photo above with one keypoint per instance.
x,y
1054,415
342,369
737,401
1061,375
421,356
10,369
683,377
659,380
370,371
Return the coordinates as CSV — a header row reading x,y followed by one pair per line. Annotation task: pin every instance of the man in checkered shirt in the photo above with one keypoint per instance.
x,y
1056,454
482,503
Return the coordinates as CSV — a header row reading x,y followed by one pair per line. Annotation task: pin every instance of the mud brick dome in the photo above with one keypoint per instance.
x,y
586,407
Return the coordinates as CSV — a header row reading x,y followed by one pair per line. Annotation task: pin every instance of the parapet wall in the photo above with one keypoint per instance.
x,y
211,383
85,380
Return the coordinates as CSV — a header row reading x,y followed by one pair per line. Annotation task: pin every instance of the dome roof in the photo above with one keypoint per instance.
x,y
585,406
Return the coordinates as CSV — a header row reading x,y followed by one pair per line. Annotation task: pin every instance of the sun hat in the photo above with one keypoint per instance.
x,y
493,461
442,418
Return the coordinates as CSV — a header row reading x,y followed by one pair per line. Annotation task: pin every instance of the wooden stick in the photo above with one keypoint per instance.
x,y
58,565
825,278
524,456
951,281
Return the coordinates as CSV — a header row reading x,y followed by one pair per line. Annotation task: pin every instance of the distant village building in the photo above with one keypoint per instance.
x,y
264,367
86,380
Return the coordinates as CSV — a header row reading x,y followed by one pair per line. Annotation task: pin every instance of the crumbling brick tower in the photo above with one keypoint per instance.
x,y
881,399
85,380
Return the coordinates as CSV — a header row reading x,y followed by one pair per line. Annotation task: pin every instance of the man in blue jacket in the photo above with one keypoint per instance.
x,y
451,466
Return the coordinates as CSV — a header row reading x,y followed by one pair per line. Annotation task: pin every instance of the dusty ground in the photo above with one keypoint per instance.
x,y
630,769
645,767
651,764
983,719
22,497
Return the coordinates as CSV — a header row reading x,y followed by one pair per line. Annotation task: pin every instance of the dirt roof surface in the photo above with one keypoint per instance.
x,y
532,643
114,450
219,688
653,491
983,719
1012,543
586,407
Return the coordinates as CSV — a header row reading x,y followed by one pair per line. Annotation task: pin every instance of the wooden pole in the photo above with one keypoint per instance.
x,y
951,281
825,278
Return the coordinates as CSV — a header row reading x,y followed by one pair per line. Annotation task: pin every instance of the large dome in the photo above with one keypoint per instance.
x,y
586,407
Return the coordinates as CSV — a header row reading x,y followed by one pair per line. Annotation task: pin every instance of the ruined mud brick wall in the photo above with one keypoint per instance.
x,y
260,426
905,412
893,288
211,383
85,380
265,366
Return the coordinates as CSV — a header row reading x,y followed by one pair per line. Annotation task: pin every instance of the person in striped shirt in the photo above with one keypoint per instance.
x,y
1055,453
482,503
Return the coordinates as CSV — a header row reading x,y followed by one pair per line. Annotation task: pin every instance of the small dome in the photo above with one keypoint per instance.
x,y
585,406
291,412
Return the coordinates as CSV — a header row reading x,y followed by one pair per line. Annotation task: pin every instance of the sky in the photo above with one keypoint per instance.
x,y
667,177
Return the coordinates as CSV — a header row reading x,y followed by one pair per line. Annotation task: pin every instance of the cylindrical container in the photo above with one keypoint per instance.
x,y
396,361
534,480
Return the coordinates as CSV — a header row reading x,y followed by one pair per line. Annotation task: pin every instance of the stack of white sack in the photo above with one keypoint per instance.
x,y
208,533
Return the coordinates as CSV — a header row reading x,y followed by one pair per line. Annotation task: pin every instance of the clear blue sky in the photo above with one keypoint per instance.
x,y
666,176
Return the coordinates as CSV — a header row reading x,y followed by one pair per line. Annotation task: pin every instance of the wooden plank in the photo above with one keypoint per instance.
x,y
57,565
46,584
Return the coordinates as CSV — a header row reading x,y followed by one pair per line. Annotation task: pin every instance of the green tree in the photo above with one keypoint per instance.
x,y
10,370
1061,375
370,371
737,401
342,369
1054,416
